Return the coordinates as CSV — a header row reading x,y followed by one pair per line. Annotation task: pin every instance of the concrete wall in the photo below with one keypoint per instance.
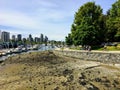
x,y
97,56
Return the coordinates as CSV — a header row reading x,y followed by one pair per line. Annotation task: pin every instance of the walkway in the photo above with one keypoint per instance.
x,y
67,49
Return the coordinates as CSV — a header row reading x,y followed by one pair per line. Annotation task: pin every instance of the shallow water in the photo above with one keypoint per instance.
x,y
43,48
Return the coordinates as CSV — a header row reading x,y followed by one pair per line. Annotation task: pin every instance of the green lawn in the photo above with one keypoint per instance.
x,y
109,48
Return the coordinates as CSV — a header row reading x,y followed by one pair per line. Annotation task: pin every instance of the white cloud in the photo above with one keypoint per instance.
x,y
16,19
35,17
50,17
53,21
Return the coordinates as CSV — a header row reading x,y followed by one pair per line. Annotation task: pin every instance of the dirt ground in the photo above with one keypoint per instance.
x,y
47,71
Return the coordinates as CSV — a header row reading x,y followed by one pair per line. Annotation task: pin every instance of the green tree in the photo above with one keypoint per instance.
x,y
113,22
87,28
69,40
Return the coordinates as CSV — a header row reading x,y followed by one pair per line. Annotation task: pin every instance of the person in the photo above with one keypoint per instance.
x,y
89,48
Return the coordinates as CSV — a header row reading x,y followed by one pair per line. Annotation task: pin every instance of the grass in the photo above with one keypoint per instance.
x,y
99,48
110,48
76,48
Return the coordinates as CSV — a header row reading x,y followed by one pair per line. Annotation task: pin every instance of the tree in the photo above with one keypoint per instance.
x,y
87,28
113,22
69,40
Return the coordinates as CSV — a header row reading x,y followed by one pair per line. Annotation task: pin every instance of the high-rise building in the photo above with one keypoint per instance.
x,y
46,39
37,39
30,38
24,40
41,38
19,37
5,36
13,37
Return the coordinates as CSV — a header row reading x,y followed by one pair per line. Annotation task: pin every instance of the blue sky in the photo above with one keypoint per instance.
x,y
50,17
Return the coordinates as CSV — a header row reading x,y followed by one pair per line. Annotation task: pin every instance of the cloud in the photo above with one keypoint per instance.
x,y
16,19
50,17
38,16
43,21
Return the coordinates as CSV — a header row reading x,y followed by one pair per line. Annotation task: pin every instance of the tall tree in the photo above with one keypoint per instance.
x,y
87,28
113,22
69,40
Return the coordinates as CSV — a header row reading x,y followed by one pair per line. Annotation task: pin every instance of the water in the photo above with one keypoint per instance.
x,y
3,58
44,48
41,48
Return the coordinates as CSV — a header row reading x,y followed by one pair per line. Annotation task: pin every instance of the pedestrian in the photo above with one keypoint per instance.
x,y
89,48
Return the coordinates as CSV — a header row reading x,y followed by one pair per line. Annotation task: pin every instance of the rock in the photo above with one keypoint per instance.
x,y
56,88
107,85
83,82
70,78
67,72
64,83
92,87
116,82
82,76
97,79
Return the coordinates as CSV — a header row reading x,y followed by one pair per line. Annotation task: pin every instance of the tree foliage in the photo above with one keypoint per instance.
x,y
92,27
113,22
87,28
69,40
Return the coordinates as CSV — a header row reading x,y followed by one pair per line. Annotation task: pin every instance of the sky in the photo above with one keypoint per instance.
x,y
53,18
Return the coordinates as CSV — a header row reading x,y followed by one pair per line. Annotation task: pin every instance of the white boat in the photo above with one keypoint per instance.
x,y
35,47
17,50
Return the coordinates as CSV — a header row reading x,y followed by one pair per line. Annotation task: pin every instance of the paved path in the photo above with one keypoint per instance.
x,y
67,49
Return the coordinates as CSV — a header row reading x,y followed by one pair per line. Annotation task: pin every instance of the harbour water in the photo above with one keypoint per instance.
x,y
41,48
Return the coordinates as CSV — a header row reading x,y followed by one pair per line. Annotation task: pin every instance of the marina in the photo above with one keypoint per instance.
x,y
5,53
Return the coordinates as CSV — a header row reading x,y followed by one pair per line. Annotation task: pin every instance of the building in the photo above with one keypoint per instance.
x,y
46,39
13,37
19,37
5,36
24,40
41,38
37,39
30,38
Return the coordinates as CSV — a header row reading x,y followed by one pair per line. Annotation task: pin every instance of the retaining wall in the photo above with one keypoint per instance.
x,y
88,55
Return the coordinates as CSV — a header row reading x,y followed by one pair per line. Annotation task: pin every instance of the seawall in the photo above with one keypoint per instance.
x,y
105,57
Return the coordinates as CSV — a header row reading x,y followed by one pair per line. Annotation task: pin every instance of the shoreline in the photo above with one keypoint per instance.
x,y
47,70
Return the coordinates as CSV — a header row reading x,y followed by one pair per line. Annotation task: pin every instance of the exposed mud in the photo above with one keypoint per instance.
x,y
47,71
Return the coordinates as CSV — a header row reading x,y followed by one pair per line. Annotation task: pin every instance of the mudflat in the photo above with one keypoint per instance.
x,y
48,71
